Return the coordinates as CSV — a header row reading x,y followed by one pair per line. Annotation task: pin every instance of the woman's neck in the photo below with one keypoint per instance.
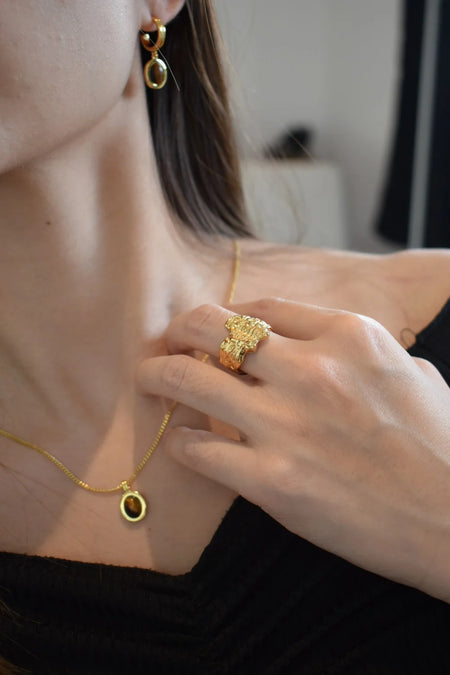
x,y
92,269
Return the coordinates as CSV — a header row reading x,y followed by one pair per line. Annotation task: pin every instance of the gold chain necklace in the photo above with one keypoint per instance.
x,y
133,506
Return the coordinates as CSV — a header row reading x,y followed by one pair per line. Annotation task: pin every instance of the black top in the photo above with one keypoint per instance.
x,y
260,600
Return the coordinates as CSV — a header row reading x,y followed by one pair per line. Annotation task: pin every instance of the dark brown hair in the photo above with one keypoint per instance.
x,y
192,129
7,668
193,137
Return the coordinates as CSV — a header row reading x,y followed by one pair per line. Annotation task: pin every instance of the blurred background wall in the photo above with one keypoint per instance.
x,y
332,66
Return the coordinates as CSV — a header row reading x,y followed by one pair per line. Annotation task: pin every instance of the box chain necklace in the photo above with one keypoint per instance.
x,y
133,506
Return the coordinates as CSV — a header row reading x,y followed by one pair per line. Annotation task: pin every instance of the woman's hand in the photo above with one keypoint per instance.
x,y
345,438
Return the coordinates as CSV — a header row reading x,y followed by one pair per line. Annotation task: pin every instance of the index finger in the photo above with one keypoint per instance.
x,y
297,320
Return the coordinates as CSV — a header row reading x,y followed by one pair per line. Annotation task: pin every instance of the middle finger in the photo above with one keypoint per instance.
x,y
235,401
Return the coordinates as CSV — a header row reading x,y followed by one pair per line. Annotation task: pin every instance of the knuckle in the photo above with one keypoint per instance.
x,y
357,328
202,454
199,319
427,368
199,455
348,321
174,375
284,475
319,367
323,377
268,304
185,445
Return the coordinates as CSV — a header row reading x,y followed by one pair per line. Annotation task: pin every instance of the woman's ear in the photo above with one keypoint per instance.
x,y
165,10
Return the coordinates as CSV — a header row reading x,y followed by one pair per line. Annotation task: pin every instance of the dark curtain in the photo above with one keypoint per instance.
x,y
393,217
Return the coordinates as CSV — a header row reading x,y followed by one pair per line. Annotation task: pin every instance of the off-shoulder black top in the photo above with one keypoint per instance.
x,y
260,600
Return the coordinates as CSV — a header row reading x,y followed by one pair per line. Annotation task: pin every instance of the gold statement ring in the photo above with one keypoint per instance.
x,y
246,332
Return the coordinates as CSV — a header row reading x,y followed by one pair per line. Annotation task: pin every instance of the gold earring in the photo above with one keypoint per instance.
x,y
155,64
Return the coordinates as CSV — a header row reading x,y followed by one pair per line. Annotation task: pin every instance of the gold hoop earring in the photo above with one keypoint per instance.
x,y
155,70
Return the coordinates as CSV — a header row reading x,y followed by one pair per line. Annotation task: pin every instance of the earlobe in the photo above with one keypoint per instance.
x,y
165,10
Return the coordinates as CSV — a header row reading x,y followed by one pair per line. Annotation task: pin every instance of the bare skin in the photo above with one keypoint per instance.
x,y
93,270
59,519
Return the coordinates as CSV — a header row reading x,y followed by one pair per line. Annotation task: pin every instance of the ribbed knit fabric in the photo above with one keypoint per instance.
x,y
260,600
433,343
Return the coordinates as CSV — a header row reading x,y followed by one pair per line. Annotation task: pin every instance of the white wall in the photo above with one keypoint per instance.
x,y
363,38
279,56
328,64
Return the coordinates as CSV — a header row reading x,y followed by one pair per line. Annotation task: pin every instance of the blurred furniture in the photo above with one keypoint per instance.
x,y
296,201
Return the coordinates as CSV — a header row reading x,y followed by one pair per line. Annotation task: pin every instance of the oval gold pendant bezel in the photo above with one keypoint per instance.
x,y
141,500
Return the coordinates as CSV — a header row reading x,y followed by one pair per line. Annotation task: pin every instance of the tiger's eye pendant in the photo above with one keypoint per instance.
x,y
133,506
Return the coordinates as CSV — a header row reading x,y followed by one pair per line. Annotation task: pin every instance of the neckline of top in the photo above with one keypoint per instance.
x,y
434,324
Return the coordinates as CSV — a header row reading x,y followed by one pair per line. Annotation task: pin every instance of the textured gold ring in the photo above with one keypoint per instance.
x,y
246,332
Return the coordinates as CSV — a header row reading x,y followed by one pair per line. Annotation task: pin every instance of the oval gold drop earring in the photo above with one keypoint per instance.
x,y
155,70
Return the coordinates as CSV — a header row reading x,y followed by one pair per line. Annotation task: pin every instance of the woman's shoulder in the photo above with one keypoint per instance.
x,y
411,261
402,290
420,279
